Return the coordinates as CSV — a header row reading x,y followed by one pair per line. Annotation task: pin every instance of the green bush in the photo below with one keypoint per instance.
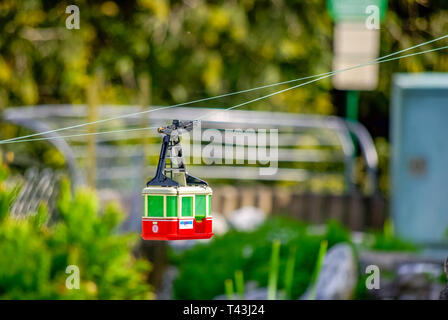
x,y
385,243
204,268
34,254
388,241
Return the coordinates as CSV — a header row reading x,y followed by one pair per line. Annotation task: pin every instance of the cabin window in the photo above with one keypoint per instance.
x,y
209,205
155,206
187,206
200,207
171,206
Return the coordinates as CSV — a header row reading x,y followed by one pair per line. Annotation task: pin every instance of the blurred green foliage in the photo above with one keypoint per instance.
x,y
190,49
194,48
383,148
35,253
209,265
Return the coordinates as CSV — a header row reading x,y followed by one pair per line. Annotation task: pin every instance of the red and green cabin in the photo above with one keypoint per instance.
x,y
174,213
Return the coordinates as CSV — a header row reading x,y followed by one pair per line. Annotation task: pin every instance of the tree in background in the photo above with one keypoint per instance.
x,y
191,49
195,48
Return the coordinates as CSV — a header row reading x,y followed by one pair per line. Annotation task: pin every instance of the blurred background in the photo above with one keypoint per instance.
x,y
361,156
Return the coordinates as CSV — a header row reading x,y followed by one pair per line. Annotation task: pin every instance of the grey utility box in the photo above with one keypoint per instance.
x,y
419,126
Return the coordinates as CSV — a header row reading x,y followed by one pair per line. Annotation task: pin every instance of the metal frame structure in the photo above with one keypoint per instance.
x,y
41,118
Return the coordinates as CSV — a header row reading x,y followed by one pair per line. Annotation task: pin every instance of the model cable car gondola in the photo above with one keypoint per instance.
x,y
176,204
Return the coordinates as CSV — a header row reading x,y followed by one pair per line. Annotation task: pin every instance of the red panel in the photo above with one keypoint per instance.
x,y
204,226
169,229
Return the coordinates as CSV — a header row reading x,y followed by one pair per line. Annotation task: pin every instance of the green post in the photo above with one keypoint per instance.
x,y
352,101
351,112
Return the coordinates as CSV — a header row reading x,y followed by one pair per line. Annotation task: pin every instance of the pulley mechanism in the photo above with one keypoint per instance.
x,y
172,150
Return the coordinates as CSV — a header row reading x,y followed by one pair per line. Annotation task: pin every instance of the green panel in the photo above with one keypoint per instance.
x,y
200,206
187,206
209,205
155,206
171,206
